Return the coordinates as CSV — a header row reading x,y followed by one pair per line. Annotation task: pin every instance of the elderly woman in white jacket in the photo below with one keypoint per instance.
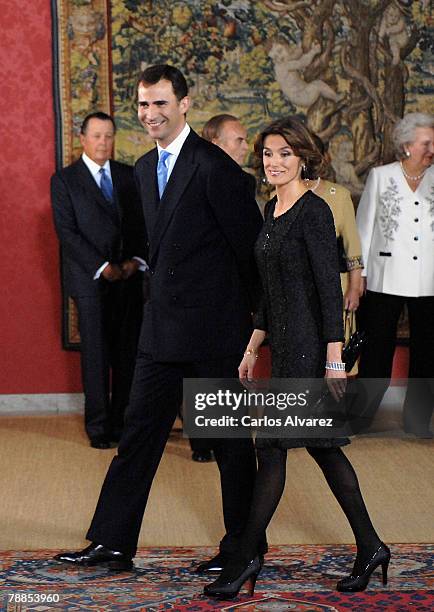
x,y
395,219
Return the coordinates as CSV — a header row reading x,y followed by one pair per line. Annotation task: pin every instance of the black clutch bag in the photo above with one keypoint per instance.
x,y
325,404
356,341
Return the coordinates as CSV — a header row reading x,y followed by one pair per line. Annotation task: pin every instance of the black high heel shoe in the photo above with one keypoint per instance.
x,y
352,583
223,589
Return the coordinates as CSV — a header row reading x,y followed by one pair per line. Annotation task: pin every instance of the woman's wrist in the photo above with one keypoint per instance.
x,y
337,366
250,350
334,352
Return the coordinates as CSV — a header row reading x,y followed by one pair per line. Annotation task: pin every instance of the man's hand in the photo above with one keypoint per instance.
x,y
129,267
112,273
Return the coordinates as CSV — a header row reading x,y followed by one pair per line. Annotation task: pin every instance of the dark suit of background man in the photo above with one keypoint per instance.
x,y
196,323
228,133
100,226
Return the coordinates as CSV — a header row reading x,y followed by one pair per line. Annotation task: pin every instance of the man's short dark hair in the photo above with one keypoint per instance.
x,y
156,73
212,128
97,115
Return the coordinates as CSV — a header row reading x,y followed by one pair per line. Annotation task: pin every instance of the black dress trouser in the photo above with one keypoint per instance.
x,y
379,315
155,397
109,326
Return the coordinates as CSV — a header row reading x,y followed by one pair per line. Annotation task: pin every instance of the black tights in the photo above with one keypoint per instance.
x,y
269,485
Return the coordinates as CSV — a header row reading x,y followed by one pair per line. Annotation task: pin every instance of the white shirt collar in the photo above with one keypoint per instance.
x,y
94,167
174,148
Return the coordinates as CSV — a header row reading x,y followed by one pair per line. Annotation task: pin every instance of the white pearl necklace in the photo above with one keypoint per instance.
x,y
315,187
408,176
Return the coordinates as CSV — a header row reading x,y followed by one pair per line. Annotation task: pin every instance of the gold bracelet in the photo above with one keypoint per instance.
x,y
251,352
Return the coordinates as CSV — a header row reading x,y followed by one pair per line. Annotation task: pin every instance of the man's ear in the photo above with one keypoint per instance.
x,y
184,104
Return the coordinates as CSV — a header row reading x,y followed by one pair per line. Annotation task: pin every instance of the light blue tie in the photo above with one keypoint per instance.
x,y
106,185
162,171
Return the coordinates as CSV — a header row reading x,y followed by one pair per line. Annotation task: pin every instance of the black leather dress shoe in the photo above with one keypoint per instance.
x,y
203,456
95,554
100,442
216,564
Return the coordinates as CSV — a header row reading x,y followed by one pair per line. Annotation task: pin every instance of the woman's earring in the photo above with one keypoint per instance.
x,y
407,154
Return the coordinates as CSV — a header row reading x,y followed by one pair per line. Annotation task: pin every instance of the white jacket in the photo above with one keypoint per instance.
x,y
396,227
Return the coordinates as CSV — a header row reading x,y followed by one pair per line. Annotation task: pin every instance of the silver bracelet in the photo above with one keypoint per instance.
x,y
338,366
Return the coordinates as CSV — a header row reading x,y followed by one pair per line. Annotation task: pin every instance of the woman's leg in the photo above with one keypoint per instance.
x,y
343,482
269,486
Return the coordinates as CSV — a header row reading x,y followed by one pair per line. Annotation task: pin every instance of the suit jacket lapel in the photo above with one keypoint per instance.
x,y
149,190
181,175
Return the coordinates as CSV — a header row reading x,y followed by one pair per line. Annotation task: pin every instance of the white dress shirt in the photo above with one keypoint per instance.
x,y
174,149
396,227
95,168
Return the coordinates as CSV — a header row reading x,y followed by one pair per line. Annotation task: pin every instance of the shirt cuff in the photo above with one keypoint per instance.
x,y
100,270
143,265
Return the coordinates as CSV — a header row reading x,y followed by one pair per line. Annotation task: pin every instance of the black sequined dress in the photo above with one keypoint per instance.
x,y
301,306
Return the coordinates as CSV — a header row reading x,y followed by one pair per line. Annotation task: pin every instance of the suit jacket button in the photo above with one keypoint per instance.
x,y
414,256
171,271
174,298
176,246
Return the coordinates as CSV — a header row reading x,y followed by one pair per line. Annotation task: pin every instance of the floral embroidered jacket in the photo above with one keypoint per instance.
x,y
396,228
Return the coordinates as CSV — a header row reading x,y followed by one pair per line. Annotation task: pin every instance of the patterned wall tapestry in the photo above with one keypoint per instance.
x,y
349,67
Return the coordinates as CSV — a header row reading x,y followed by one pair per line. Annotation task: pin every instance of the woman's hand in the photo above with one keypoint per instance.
x,y
248,362
337,383
352,298
352,294
336,379
247,366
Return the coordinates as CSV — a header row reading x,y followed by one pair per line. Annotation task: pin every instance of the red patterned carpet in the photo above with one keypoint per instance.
x,y
295,578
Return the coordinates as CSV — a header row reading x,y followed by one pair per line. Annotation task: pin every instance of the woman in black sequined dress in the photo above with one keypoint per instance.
x,y
301,314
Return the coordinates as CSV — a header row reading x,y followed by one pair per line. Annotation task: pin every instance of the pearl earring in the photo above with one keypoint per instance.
x,y
407,154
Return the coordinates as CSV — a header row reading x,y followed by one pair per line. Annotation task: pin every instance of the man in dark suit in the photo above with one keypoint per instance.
x,y
228,133
202,224
100,226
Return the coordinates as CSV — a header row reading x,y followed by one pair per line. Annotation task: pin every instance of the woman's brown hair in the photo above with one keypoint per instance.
x,y
300,139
